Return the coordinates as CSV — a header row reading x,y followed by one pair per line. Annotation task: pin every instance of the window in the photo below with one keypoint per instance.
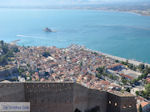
x,y
109,102
130,106
124,107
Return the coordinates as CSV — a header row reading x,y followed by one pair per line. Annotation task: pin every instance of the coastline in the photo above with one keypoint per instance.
x,y
134,62
138,12
15,42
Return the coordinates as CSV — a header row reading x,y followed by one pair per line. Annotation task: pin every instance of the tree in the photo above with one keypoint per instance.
x,y
81,64
46,73
100,70
140,108
146,70
134,81
137,93
46,54
7,53
98,75
110,76
147,90
124,80
3,60
128,90
117,61
141,67
1,43
15,49
20,70
143,76
95,53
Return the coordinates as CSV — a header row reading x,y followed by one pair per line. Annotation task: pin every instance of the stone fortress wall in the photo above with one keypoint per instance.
x,y
12,92
64,97
117,103
49,97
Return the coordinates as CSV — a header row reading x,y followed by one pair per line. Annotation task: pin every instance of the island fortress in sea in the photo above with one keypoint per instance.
x,y
66,97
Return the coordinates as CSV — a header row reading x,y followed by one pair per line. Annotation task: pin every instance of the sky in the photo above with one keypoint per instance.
x,y
58,2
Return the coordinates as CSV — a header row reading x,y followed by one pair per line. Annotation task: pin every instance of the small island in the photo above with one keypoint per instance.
x,y
48,30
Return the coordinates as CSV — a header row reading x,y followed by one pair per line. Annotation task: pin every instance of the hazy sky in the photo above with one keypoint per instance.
x,y
60,2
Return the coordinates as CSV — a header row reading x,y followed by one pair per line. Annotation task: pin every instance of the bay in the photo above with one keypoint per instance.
x,y
121,34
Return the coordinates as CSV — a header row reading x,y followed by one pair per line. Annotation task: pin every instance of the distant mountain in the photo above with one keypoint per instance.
x,y
62,2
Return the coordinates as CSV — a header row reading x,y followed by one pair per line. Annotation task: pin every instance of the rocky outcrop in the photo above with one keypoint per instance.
x,y
48,30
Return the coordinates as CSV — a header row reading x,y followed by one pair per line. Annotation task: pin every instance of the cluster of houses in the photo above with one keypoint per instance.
x,y
121,70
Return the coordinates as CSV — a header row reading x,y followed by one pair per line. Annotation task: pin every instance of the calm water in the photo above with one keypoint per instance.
x,y
121,34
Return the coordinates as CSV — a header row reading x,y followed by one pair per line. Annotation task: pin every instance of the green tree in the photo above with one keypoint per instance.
x,y
81,64
134,81
147,90
7,53
137,93
100,70
3,60
128,90
117,61
124,80
98,75
141,67
46,54
1,42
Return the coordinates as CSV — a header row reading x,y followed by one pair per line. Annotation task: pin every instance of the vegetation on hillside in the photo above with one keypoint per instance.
x,y
6,52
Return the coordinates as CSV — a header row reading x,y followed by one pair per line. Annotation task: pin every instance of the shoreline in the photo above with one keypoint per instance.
x,y
134,62
137,12
15,42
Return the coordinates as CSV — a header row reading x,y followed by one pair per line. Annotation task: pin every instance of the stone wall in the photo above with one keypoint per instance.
x,y
80,98
12,92
128,104
65,97
49,97
86,99
98,99
117,103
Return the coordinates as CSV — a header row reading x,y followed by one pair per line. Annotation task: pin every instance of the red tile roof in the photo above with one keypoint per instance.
x,y
104,82
127,76
114,65
148,80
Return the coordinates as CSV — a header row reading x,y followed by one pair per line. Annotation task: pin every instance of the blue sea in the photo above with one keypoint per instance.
x,y
117,33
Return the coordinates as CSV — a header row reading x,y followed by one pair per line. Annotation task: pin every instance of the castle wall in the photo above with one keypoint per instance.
x,y
12,92
121,103
49,97
128,104
65,97
97,98
80,97
86,99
